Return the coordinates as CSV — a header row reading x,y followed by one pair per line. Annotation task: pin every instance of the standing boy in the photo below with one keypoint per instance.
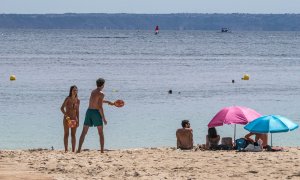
x,y
95,114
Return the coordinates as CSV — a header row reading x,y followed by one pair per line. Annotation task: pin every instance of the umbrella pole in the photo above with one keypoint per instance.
x,y
234,132
271,140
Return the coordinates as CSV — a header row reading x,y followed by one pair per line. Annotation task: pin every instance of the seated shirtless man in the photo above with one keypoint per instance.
x,y
263,137
184,136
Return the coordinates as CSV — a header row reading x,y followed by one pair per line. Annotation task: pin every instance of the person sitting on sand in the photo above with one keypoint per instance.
x,y
184,136
263,137
95,114
212,138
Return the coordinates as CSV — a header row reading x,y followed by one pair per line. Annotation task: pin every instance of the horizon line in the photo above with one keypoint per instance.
x,y
66,13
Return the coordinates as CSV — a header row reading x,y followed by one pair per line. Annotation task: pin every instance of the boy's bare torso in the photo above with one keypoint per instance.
x,y
96,97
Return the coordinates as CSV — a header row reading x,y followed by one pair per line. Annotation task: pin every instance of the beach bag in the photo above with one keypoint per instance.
x,y
241,143
227,142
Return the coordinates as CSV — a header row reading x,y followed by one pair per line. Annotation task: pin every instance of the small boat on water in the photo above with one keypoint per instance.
x,y
156,30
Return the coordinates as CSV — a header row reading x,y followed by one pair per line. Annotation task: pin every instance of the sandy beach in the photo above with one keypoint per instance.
x,y
149,163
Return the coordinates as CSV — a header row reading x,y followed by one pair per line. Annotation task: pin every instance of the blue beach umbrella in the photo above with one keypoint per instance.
x,y
271,124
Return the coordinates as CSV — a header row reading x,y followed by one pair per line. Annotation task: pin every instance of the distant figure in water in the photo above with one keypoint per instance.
x,y
156,30
70,110
170,91
184,136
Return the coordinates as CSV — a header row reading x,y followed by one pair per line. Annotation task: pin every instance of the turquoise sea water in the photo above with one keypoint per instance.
x,y
140,68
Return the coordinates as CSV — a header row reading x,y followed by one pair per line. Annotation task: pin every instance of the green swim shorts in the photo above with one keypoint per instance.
x,y
93,118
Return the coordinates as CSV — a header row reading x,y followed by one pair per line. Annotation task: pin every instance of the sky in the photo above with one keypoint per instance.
x,y
149,6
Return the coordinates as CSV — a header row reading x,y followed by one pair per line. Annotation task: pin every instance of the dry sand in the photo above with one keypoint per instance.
x,y
152,163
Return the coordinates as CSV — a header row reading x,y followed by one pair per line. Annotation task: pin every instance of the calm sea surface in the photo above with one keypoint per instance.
x,y
140,68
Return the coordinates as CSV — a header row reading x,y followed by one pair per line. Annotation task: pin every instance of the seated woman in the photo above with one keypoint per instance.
x,y
212,139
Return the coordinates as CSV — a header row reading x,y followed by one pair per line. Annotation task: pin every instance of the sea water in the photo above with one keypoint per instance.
x,y
140,68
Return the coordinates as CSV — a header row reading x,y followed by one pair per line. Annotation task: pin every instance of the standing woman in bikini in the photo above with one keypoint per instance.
x,y
70,109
